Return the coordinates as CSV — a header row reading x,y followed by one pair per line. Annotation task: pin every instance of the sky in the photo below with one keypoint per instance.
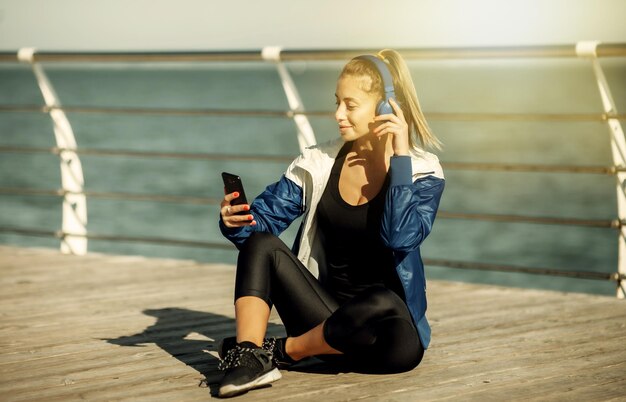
x,y
153,25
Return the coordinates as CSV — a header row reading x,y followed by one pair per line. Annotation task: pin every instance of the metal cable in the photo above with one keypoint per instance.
x,y
612,276
526,167
598,223
114,195
551,117
610,170
134,239
145,110
150,154
546,220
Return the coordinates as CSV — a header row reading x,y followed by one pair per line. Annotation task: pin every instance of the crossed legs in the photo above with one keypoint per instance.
x,y
374,329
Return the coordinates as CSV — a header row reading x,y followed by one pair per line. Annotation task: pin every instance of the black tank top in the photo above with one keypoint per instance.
x,y
355,256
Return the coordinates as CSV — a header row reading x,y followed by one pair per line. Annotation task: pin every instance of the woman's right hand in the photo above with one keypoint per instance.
x,y
229,213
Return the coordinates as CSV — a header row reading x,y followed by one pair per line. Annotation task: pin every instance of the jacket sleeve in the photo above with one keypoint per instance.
x,y
273,210
410,207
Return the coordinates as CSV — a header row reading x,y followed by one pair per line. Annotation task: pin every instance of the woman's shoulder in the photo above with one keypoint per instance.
x,y
424,163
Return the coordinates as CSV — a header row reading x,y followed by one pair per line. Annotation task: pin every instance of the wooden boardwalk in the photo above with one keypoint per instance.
x,y
130,328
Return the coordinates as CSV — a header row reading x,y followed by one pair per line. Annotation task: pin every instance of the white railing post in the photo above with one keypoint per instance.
x,y
74,201
306,136
587,50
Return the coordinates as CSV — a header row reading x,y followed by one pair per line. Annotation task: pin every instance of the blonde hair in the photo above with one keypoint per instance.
x,y
419,131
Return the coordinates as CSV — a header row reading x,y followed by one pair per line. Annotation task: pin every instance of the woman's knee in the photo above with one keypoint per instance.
x,y
385,360
408,359
260,239
258,244
398,347
405,362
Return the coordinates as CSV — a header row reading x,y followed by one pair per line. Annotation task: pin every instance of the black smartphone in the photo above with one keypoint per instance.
x,y
232,183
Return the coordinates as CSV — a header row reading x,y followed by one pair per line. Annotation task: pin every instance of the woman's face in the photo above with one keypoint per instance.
x,y
356,108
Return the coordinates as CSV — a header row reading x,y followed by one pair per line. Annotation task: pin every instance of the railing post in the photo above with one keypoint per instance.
x,y
587,49
74,201
306,137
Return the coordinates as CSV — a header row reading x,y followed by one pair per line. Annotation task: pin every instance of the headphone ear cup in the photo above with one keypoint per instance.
x,y
384,107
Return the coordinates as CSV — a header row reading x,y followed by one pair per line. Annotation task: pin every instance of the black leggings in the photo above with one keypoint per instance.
x,y
374,329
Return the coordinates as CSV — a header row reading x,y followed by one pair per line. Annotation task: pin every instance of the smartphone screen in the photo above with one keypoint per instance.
x,y
233,183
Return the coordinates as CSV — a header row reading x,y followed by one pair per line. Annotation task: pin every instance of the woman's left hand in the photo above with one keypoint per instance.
x,y
396,125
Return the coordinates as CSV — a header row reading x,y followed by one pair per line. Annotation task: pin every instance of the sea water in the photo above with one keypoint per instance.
x,y
444,86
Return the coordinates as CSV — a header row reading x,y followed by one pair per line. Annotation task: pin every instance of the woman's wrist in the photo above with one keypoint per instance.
x,y
400,147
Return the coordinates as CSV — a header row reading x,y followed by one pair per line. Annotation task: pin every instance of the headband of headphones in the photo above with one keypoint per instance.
x,y
384,73
384,107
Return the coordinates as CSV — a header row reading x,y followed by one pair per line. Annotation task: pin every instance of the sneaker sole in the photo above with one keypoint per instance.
x,y
267,378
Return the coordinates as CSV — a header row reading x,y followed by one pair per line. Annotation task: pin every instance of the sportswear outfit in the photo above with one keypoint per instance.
x,y
358,268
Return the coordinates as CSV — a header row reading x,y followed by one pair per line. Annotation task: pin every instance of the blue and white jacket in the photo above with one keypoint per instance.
x,y
411,204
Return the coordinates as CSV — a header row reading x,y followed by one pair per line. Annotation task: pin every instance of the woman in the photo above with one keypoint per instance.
x,y
352,291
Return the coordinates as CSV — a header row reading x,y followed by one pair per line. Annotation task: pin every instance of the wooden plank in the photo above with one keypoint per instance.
x,y
490,343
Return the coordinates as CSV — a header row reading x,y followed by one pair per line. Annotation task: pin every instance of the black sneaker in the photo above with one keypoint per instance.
x,y
247,367
225,345
276,346
279,355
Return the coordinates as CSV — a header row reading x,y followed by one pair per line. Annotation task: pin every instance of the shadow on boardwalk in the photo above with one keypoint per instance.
x,y
174,332
174,327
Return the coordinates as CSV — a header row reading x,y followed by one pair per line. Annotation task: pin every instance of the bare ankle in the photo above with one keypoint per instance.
x,y
291,351
250,339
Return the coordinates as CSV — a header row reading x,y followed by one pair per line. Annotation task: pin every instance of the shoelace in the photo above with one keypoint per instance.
x,y
269,344
233,356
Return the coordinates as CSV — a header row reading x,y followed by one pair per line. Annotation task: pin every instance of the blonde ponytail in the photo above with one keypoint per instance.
x,y
405,91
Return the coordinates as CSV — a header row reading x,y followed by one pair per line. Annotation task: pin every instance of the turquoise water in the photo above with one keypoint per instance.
x,y
498,86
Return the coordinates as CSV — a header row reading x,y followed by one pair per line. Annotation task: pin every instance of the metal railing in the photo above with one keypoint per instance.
x,y
74,235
